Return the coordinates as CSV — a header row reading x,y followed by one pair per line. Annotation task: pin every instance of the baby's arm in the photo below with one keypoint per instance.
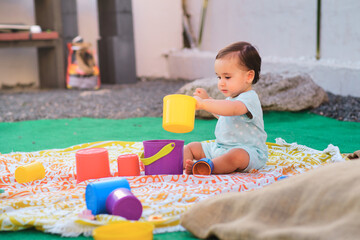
x,y
221,107
200,92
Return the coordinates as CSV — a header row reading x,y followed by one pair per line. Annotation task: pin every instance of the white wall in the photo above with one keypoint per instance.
x,y
278,28
88,25
18,65
157,29
340,30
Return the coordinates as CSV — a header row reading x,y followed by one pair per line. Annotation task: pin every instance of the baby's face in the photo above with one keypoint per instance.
x,y
234,79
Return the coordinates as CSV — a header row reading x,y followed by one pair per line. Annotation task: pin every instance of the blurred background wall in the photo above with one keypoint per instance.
x,y
285,33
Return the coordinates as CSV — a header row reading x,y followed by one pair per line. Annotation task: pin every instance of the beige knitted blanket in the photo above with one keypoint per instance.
x,y
323,203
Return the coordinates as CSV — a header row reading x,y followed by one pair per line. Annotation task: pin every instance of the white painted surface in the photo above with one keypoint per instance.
x,y
278,28
157,30
191,64
18,65
88,25
340,30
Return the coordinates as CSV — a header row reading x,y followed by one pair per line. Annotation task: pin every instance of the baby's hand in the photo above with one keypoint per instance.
x,y
198,102
201,93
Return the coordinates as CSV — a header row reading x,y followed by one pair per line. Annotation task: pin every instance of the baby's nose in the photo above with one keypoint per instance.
x,y
221,82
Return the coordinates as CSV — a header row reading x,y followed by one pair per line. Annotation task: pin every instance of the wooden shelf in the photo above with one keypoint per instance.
x,y
27,39
18,36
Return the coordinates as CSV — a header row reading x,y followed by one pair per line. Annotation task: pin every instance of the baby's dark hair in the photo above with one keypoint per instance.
x,y
247,54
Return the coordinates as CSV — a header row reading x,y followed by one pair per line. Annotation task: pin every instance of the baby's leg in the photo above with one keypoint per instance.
x,y
193,151
236,158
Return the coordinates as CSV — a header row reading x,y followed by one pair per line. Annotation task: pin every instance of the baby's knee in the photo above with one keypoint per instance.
x,y
196,149
239,153
239,157
192,146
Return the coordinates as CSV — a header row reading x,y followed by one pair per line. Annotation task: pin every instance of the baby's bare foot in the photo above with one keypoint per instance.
x,y
188,166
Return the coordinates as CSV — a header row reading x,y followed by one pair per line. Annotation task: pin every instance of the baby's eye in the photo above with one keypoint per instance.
x,y
227,77
218,77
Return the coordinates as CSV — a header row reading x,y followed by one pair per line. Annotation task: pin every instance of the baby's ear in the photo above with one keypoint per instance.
x,y
251,76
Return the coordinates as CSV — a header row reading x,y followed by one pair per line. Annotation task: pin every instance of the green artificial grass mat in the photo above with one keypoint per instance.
x,y
61,133
302,127
32,234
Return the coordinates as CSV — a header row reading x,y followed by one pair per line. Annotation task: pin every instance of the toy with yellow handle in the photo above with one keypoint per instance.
x,y
163,157
163,152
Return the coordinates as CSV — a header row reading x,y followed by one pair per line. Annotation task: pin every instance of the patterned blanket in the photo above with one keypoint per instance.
x,y
54,203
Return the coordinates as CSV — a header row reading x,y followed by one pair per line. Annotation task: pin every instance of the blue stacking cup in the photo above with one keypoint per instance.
x,y
96,193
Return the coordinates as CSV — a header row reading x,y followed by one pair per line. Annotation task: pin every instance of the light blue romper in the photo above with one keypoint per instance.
x,y
241,132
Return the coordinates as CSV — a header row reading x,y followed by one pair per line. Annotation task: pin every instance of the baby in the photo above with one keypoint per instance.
x,y
240,135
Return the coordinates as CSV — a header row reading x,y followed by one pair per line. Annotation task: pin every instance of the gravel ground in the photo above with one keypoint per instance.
x,y
123,101
340,107
143,98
